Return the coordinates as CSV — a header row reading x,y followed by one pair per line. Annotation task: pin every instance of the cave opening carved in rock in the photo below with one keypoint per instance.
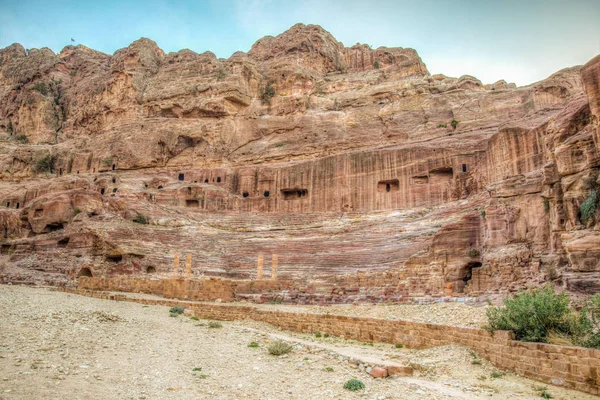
x,y
293,194
85,272
440,175
192,203
55,226
391,185
114,258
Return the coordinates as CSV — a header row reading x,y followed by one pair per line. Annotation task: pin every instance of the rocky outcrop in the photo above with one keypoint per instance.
x,y
304,170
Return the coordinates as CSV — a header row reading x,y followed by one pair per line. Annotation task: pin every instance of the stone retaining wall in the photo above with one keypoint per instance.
x,y
571,367
190,289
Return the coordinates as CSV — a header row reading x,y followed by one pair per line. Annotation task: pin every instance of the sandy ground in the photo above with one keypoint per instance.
x,y
55,345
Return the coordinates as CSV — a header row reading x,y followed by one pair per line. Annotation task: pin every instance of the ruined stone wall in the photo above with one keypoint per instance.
x,y
572,367
186,289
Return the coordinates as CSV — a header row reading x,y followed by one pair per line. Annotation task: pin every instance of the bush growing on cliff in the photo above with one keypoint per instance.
x,y
541,315
20,139
473,253
267,94
587,210
376,64
454,123
546,205
45,164
41,87
221,74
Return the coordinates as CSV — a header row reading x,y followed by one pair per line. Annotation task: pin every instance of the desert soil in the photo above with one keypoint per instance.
x,y
56,345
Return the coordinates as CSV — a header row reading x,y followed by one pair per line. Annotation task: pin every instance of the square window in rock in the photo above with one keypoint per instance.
x,y
392,185
192,203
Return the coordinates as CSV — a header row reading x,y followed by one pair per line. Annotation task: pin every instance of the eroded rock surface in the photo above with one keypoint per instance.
x,y
303,171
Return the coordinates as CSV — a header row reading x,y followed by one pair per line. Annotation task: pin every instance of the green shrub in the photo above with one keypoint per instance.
x,y
318,335
329,369
253,344
454,123
195,318
221,74
278,348
107,162
197,369
483,213
399,345
354,385
41,87
267,94
587,210
20,138
546,205
77,211
476,360
541,313
532,315
544,393
591,322
473,253
141,219
177,310
215,324
497,375
376,64
45,164
442,126
276,300
326,335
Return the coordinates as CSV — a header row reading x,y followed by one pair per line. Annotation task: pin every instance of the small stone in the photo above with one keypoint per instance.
x,y
377,372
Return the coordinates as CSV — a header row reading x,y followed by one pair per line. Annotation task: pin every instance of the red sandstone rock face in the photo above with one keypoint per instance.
x,y
350,184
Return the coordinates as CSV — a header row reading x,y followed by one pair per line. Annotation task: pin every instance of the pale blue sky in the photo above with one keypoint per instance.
x,y
521,41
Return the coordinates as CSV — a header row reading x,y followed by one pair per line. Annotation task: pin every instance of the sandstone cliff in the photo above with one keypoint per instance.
x,y
366,177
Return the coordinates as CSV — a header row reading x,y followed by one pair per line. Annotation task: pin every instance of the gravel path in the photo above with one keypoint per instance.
x,y
56,345
445,313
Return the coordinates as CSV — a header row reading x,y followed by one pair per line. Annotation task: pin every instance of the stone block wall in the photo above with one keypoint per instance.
x,y
572,367
188,289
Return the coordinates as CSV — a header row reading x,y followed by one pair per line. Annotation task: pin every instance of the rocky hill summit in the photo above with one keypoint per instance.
x,y
302,170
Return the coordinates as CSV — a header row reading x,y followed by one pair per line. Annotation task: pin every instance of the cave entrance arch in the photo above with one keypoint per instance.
x,y
85,272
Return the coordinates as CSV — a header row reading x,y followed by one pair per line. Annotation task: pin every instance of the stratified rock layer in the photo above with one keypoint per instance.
x,y
303,170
